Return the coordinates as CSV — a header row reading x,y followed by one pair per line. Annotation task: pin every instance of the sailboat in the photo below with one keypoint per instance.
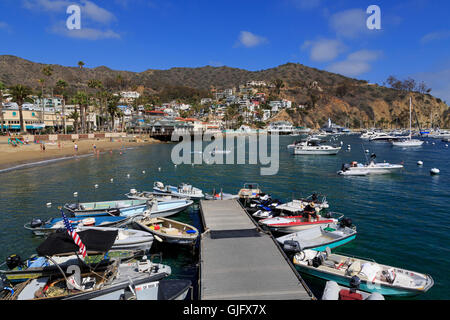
x,y
408,142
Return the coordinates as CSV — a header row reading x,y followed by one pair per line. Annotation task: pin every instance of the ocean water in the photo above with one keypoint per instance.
x,y
402,219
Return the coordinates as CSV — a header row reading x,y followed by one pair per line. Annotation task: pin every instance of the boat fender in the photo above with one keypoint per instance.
x,y
375,296
36,223
331,291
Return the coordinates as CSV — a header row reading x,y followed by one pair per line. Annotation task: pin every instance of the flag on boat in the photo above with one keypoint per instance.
x,y
74,235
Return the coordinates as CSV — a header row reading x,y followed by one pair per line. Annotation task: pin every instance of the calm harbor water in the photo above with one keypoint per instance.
x,y
402,219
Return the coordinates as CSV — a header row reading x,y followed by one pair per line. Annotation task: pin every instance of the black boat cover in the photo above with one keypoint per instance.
x,y
61,243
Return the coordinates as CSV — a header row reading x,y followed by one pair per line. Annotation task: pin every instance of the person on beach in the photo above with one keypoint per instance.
x,y
43,147
76,147
95,147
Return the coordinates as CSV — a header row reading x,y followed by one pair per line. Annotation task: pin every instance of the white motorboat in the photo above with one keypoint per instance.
x,y
382,136
249,191
149,196
408,142
313,147
183,190
127,239
354,168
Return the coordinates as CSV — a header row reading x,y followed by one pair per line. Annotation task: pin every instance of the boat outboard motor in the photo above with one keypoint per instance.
x,y
72,206
14,261
373,156
36,223
291,245
354,283
346,222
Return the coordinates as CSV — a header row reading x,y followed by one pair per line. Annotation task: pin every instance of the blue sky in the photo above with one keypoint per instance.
x,y
332,35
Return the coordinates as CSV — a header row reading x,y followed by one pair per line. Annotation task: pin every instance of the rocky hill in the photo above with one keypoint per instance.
x,y
322,94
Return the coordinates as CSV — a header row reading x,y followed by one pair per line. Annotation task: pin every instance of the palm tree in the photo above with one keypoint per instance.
x,y
81,64
2,119
112,108
81,99
62,85
74,115
19,94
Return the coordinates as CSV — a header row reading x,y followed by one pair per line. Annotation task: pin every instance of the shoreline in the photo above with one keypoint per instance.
x,y
30,155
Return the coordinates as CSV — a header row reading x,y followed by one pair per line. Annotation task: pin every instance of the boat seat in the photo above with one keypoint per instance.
x,y
354,268
331,259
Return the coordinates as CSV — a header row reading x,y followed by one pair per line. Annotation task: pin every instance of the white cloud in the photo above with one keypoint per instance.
x,y
356,63
89,9
349,23
84,33
324,49
249,39
438,35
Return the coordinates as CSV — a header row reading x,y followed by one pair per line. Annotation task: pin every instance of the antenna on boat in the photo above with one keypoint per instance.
x,y
364,152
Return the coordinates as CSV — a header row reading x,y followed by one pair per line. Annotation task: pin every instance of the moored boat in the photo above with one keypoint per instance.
x,y
149,196
292,224
40,228
103,206
374,277
168,230
318,238
183,190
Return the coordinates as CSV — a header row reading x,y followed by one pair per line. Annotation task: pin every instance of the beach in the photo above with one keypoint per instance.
x,y
32,152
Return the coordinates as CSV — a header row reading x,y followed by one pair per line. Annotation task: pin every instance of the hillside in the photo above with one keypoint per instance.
x,y
347,101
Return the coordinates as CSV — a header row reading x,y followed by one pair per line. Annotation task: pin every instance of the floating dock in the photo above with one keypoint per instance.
x,y
240,261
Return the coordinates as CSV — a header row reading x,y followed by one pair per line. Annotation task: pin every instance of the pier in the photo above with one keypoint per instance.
x,y
240,261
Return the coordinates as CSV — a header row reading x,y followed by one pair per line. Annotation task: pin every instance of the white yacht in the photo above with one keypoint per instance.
x,y
381,136
408,142
367,135
313,147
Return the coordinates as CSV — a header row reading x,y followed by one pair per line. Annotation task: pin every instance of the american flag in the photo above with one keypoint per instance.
x,y
74,235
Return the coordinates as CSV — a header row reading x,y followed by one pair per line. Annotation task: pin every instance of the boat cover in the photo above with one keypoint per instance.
x,y
60,242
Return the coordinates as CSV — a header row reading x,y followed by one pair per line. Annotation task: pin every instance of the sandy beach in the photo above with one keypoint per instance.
x,y
28,153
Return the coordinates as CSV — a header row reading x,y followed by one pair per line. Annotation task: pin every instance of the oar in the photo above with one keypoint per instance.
x,y
158,238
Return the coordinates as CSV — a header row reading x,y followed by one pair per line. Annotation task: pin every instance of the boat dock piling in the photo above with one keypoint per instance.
x,y
240,261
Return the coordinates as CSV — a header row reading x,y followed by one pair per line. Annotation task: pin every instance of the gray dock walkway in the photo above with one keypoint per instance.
x,y
239,262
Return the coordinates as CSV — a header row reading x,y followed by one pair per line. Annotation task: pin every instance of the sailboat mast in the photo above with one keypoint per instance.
x,y
410,117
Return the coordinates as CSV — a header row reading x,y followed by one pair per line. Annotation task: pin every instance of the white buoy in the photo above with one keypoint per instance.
x,y
419,163
49,204
128,175
446,145
143,171
95,186
435,171
112,180
342,143
367,151
433,143
175,165
159,169
75,194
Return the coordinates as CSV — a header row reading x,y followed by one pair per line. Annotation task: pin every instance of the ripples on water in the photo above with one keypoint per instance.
x,y
402,219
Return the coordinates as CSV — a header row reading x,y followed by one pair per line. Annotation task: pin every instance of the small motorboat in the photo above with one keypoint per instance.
x,y
141,280
183,190
291,224
37,266
381,137
374,277
149,196
249,191
127,239
318,238
40,228
103,206
296,206
355,168
169,231
312,147
333,291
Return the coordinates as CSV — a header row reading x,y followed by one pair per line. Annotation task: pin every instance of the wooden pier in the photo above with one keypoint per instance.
x,y
240,261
